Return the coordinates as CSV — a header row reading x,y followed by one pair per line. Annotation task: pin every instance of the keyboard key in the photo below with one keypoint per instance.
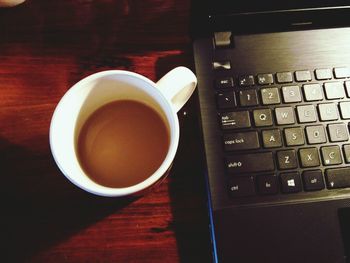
x,y
313,180
284,115
242,186
345,109
347,87
294,136
267,184
323,74
262,117
313,92
235,120
338,177
246,80
224,83
222,65
222,39
251,162
241,141
306,113
303,75
334,90
226,100
265,79
290,182
328,111
271,138
287,159
331,155
270,96
346,149
291,94
309,157
248,97
284,77
338,132
315,134
342,72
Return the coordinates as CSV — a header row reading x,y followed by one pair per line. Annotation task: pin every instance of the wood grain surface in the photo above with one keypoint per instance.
x,y
46,47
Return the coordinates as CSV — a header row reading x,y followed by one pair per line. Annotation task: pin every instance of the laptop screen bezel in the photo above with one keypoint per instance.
x,y
206,19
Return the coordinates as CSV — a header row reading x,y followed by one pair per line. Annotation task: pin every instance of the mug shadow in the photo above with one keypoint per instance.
x,y
40,208
187,186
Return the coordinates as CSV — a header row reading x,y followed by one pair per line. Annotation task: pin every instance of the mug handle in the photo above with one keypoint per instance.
x,y
177,86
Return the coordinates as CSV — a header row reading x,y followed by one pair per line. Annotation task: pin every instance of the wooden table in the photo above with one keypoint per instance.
x,y
46,47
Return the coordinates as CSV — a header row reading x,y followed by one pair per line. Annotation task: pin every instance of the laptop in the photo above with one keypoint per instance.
x,y
274,98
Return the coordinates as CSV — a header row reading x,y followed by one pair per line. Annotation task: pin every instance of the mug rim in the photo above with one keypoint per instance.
x,y
99,189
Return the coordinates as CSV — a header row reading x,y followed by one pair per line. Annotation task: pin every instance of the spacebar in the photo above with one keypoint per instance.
x,y
338,177
251,162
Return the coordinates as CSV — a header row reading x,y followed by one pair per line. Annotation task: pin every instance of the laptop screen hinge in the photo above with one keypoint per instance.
x,y
223,39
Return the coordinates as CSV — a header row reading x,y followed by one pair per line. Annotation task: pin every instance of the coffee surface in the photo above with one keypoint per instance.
x,y
122,143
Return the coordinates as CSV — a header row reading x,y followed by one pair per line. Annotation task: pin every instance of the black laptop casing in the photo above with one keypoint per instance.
x,y
303,228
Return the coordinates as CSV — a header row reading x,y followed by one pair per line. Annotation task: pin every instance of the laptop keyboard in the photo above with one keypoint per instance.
x,y
285,133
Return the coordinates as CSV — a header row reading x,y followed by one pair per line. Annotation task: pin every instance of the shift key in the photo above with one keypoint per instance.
x,y
251,162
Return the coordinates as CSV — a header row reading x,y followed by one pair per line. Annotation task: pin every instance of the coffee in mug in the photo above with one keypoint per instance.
x,y
122,143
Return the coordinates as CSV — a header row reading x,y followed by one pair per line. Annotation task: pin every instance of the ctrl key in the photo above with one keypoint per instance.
x,y
242,186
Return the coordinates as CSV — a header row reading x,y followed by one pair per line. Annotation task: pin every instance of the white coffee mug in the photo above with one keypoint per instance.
x,y
167,96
